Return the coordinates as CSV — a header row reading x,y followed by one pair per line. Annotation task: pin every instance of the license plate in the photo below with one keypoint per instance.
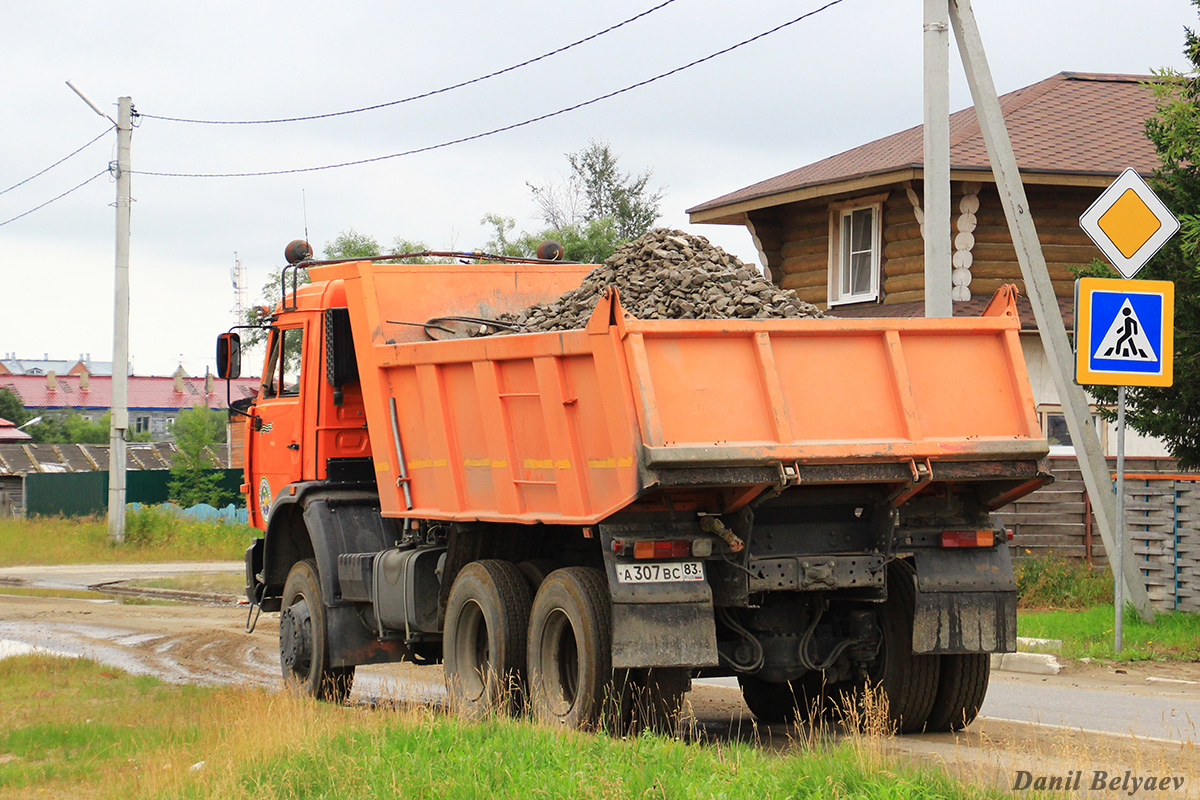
x,y
668,572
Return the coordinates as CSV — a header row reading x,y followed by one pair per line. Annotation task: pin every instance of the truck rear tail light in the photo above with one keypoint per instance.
x,y
652,548
968,538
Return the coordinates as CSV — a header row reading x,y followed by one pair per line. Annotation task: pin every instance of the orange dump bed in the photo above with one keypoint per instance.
x,y
571,427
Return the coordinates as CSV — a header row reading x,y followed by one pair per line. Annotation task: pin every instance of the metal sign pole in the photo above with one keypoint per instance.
x,y
1119,571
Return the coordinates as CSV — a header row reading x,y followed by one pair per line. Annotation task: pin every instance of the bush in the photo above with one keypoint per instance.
x,y
1053,582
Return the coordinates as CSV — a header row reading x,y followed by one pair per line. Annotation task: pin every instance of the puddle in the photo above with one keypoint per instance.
x,y
10,648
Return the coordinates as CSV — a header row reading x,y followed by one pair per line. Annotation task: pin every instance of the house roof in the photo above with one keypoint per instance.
x,y
24,458
10,433
145,392
41,366
1071,124
969,308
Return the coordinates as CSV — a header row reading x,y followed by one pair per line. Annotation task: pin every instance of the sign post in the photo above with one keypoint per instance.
x,y
1124,329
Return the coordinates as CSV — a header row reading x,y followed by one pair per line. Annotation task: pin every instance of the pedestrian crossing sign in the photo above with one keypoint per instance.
x,y
1124,332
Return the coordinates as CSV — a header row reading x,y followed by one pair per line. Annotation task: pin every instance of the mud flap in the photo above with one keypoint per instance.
x,y
351,644
664,635
662,624
966,601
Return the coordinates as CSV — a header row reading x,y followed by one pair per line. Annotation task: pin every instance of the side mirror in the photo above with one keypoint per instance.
x,y
229,356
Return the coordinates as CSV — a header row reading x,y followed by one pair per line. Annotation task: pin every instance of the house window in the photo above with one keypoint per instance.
x,y
1058,435
141,424
855,251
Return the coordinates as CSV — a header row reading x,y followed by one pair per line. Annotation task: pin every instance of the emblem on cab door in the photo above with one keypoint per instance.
x,y
266,428
264,498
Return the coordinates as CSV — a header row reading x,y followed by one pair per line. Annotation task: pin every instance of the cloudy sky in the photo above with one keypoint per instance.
x,y
844,76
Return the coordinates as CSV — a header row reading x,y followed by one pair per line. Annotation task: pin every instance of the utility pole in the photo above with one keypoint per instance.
x,y
120,370
936,169
1074,401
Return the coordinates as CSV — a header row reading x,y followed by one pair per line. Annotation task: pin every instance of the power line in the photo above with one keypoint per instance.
x,y
56,163
505,128
542,57
59,197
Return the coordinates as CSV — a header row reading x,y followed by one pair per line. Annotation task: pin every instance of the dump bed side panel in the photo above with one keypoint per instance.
x,y
825,391
532,428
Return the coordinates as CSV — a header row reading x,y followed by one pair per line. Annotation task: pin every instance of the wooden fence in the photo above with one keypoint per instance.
x,y
1162,513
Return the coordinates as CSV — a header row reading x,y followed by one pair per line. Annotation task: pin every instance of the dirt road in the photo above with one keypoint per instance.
x,y
1025,725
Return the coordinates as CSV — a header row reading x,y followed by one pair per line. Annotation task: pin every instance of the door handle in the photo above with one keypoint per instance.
x,y
293,446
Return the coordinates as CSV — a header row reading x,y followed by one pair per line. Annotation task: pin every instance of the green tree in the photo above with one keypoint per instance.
x,y
1172,413
352,244
596,210
12,408
608,192
197,431
69,428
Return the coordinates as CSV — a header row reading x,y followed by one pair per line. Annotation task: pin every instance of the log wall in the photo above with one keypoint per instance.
x,y
793,241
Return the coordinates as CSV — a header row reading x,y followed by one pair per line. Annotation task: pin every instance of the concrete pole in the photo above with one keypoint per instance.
x,y
938,280
1082,426
120,368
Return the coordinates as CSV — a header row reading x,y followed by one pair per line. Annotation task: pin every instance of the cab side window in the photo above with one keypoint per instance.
x,y
293,351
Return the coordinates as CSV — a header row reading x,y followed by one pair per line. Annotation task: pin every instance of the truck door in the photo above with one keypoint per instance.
x,y
279,428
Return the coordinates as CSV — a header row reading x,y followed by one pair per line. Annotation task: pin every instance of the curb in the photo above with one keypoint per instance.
x,y
1029,663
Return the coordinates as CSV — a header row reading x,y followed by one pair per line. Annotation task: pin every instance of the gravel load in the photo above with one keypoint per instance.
x,y
669,274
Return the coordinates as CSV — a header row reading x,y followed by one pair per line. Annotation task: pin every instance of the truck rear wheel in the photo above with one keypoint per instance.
x,y
304,641
487,616
961,689
908,680
657,698
570,649
807,697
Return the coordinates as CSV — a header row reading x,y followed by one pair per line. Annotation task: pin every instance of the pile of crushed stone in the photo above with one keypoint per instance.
x,y
669,274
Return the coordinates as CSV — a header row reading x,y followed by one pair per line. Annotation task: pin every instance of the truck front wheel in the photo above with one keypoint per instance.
x,y
570,649
304,641
487,616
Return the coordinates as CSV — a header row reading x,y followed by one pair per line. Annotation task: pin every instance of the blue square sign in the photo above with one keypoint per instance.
x,y
1124,332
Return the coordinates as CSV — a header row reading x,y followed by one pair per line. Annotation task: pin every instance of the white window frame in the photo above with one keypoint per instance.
x,y
839,214
1044,413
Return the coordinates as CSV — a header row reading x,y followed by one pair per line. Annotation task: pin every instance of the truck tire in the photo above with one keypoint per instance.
x,y
487,616
772,702
304,641
657,698
961,689
909,681
570,650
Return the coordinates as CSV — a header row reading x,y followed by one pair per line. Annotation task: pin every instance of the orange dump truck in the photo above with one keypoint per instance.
x,y
581,522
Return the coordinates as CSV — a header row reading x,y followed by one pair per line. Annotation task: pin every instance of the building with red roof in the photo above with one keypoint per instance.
x,y
154,402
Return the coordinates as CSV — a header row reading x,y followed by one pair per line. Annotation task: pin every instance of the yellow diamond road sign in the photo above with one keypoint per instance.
x,y
1129,223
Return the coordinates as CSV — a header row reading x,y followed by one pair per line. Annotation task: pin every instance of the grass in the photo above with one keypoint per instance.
x,y
1088,633
1073,601
151,535
72,728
